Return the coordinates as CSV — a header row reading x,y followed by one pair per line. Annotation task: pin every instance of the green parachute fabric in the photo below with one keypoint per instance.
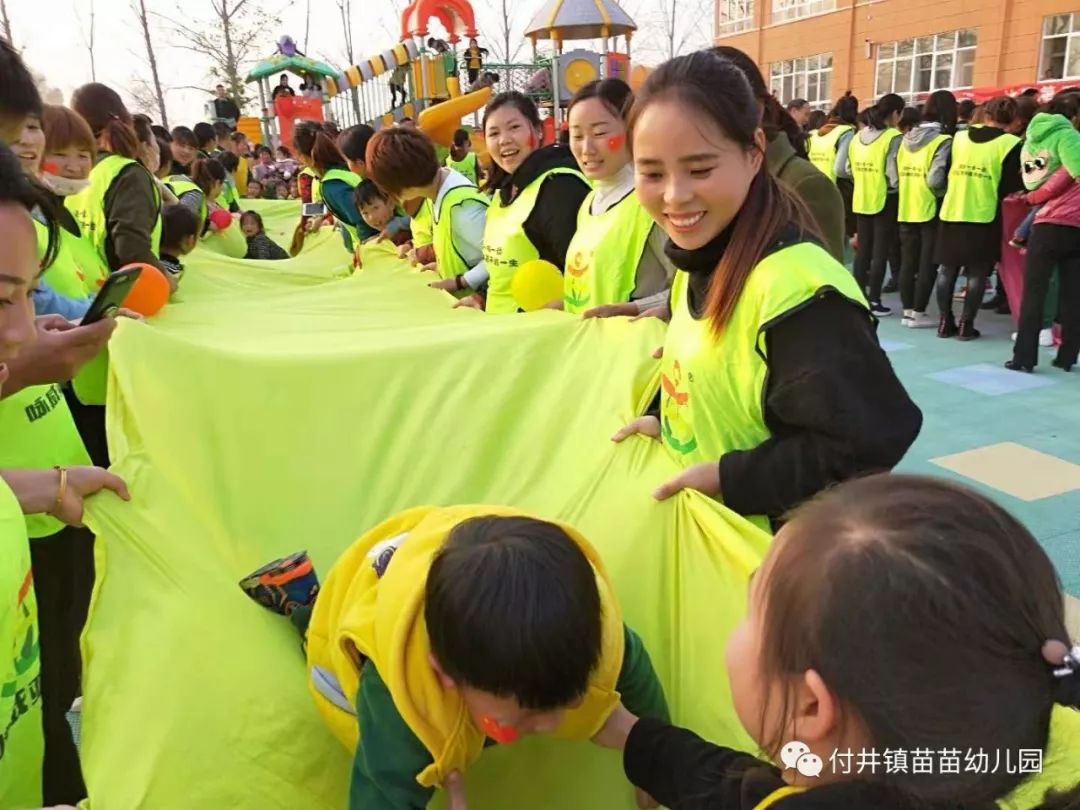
x,y
284,406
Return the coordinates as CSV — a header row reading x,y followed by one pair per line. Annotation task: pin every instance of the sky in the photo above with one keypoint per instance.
x,y
54,46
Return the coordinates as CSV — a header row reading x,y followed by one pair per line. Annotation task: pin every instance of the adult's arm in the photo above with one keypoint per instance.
x,y
655,270
833,404
892,171
679,769
131,214
338,197
389,756
842,167
1012,179
938,177
553,220
826,205
48,301
467,224
638,685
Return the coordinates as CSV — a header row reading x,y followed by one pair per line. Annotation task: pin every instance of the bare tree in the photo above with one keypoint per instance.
x,y
87,32
6,20
139,9
507,42
228,40
345,7
672,27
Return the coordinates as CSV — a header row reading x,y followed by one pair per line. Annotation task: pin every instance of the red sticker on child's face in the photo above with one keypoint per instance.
x,y
615,142
504,735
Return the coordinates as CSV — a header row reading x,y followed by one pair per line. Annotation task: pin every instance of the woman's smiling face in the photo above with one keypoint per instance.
x,y
510,137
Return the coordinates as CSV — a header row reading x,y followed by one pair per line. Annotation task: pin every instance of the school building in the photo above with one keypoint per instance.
x,y
817,49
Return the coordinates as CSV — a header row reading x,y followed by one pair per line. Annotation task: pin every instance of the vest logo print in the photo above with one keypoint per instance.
x,y
678,433
44,404
577,280
19,694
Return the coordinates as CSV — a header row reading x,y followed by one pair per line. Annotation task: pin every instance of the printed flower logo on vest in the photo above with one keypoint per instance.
x,y
577,281
678,432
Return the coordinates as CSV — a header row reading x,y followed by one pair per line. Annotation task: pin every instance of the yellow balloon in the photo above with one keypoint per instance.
x,y
536,284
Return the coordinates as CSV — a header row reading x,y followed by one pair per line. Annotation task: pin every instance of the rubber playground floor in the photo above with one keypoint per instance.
x,y
1014,436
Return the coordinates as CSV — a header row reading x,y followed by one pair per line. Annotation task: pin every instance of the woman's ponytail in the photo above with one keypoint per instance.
x,y
120,139
108,118
205,172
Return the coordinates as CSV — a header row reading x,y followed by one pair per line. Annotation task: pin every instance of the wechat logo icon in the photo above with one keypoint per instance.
x,y
797,755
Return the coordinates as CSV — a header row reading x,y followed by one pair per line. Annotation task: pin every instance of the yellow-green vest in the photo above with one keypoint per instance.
x,y
372,609
917,202
23,747
88,206
228,194
353,180
180,185
467,166
422,225
974,178
316,184
603,257
713,389
868,172
506,247
39,432
449,260
822,149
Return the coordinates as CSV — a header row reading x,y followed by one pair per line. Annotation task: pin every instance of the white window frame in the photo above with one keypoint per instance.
x,y
913,54
787,10
734,16
801,68
1072,45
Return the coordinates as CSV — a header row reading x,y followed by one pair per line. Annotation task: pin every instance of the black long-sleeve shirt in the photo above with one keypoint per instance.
x,y
684,772
833,403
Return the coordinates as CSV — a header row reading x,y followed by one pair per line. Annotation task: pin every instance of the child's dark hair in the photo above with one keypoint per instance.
x,y
462,138
178,222
845,110
615,94
253,216
109,119
353,142
285,151
924,606
229,162
204,135
205,172
368,192
1001,110
184,136
325,155
964,109
717,90
16,187
19,96
941,107
304,135
774,118
256,182
399,158
512,608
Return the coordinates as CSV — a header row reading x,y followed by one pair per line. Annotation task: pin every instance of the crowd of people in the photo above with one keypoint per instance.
x,y
702,202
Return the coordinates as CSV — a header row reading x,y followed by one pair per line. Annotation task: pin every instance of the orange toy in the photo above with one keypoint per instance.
x,y
150,291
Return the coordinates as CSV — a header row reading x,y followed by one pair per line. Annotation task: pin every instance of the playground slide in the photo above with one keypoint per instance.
x,y
441,120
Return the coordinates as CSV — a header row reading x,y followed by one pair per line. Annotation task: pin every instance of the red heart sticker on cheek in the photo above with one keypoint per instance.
x,y
504,735
50,167
616,142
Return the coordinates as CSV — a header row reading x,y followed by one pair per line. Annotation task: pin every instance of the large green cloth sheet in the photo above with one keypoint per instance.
x,y
285,405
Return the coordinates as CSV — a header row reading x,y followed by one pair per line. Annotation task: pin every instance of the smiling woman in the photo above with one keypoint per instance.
x,y
773,382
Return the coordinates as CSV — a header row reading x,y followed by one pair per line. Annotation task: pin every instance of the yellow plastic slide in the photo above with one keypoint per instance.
x,y
443,119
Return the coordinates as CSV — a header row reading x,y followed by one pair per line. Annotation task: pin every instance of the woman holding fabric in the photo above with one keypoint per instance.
x,y
773,382
336,183
617,253
120,211
538,192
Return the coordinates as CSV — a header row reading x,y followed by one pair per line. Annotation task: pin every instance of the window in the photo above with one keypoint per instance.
x,y
1061,47
808,77
783,10
733,16
909,67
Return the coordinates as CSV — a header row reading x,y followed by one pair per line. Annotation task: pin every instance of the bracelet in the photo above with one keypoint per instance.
x,y
61,491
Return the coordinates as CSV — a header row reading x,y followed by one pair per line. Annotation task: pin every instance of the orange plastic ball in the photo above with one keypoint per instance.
x,y
150,291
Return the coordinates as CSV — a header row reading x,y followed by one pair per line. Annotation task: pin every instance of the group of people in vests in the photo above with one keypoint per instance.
x,y
695,202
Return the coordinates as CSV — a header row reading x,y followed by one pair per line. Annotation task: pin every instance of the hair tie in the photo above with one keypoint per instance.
x,y
1066,661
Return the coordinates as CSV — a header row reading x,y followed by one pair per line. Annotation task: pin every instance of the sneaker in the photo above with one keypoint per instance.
x,y
905,319
968,331
920,320
283,585
1046,337
879,310
947,327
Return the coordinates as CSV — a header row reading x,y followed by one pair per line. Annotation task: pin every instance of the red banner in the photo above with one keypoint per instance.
x,y
290,109
1044,91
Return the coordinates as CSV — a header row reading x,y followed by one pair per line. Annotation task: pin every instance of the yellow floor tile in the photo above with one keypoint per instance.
x,y
1015,470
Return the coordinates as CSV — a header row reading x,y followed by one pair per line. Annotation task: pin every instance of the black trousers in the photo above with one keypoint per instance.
x,y
877,238
63,579
1050,246
976,286
90,422
474,73
918,270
